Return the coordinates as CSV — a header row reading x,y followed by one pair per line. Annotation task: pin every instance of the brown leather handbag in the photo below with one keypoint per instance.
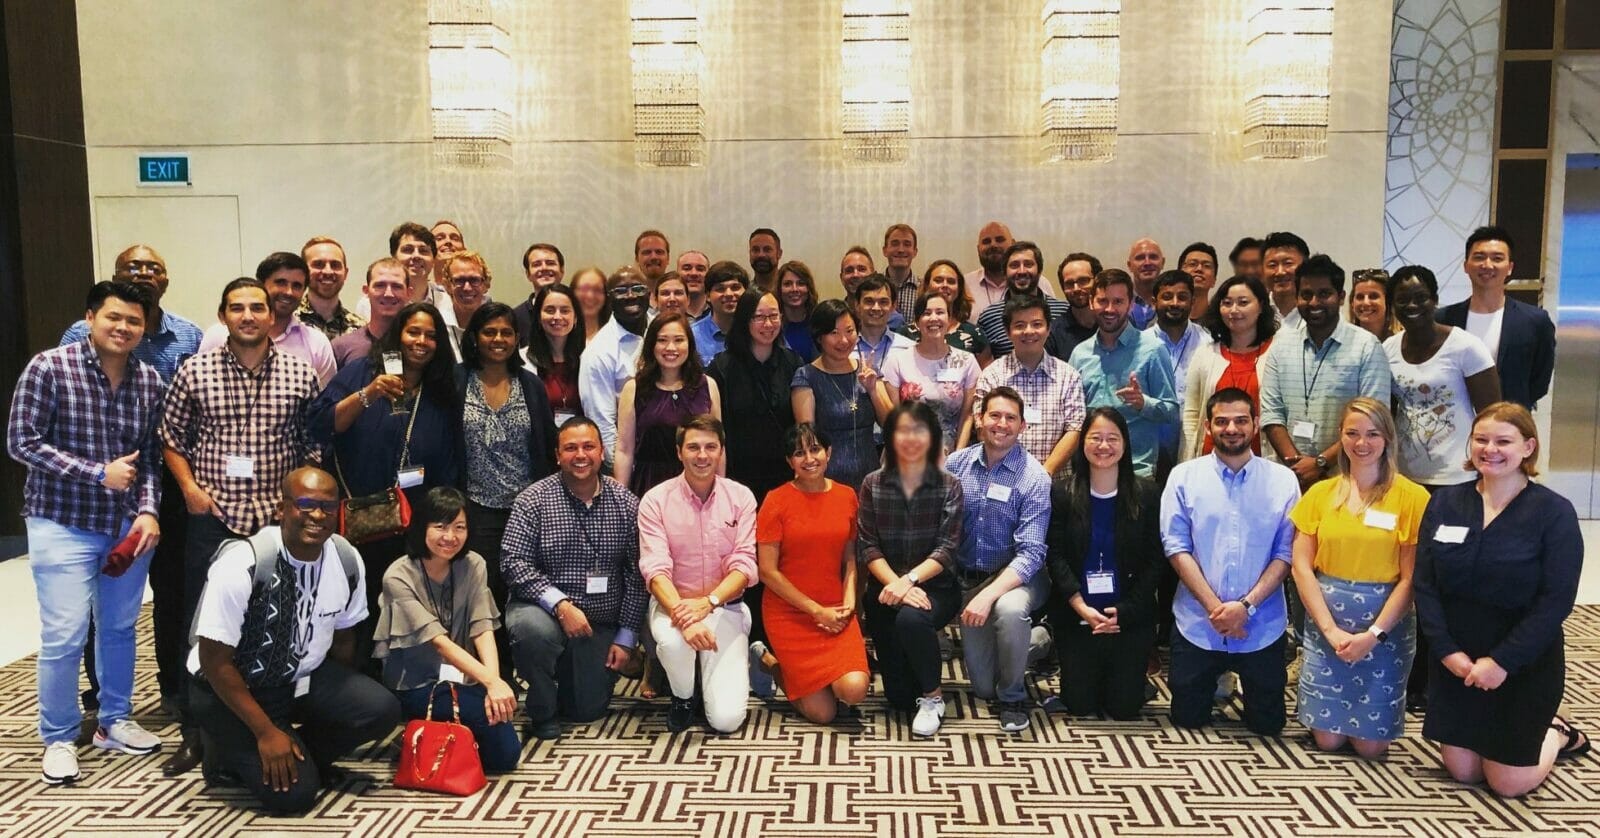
x,y
380,515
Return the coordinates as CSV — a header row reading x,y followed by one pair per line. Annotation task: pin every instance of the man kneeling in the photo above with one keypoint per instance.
x,y
275,644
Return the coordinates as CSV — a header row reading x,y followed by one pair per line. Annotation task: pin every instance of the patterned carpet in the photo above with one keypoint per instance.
x,y
780,776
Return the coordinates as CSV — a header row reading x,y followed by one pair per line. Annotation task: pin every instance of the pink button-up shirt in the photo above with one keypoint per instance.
x,y
697,544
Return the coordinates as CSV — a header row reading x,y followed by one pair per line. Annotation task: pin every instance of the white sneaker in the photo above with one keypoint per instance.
x,y
929,712
1226,684
60,764
127,736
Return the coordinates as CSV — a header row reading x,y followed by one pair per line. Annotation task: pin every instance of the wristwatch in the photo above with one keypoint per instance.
x,y
1322,462
716,602
1249,610
100,476
1378,633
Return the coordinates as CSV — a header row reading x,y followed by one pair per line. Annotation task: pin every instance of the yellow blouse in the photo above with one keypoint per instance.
x,y
1361,547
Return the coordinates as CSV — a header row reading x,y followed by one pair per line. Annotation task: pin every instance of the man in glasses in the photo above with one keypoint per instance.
x,y
1199,261
468,279
277,686
610,357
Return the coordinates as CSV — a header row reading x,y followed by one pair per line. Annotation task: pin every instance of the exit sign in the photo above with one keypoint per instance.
x,y
164,170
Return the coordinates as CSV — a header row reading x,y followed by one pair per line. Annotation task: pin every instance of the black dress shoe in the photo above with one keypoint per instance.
x,y
680,715
548,730
184,760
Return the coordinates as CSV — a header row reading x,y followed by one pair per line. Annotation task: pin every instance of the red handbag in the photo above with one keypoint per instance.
x,y
440,756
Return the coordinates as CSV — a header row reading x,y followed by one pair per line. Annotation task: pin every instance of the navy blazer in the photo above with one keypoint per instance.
x,y
542,430
1527,355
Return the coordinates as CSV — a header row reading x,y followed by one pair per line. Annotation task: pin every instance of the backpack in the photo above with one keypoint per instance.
x,y
266,567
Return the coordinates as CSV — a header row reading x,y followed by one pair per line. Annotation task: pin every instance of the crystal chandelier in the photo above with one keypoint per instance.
x,y
668,121
1288,55
469,73
1082,57
876,80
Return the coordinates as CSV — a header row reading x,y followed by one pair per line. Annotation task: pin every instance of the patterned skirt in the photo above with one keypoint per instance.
x,y
1365,699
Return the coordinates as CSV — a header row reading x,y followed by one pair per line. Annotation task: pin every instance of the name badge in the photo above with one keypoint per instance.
x,y
244,467
999,492
451,674
598,585
1447,534
1381,520
409,477
1304,430
1100,582
302,686
561,418
948,376
1032,415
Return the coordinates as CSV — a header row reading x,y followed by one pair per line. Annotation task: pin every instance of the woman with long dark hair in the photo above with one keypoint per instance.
x,y
753,376
555,343
1105,557
1241,322
669,389
841,394
797,296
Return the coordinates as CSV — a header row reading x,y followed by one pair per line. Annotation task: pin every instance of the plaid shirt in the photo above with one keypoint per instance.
x,y
217,409
1052,399
1002,532
342,321
553,541
905,532
905,296
166,347
67,422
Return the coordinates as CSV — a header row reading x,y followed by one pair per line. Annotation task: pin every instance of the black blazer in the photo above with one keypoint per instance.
x,y
1140,557
542,428
1527,354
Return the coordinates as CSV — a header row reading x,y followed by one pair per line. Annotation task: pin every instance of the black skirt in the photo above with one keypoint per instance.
x,y
1506,725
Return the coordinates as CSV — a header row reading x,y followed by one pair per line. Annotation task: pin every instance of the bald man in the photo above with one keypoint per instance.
x,y
987,283
1145,263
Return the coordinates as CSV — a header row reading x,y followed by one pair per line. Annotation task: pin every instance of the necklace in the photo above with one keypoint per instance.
x,y
853,402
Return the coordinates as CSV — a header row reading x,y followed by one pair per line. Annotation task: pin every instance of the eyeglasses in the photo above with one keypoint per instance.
x,y
1196,264
153,268
622,291
464,281
766,318
327,507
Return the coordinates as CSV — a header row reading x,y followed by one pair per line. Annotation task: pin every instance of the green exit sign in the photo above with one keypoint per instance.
x,y
164,170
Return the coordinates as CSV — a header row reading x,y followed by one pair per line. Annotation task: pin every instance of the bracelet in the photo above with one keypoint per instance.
x,y
365,402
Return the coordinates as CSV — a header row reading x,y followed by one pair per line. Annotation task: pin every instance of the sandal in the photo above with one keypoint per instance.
x,y
1577,742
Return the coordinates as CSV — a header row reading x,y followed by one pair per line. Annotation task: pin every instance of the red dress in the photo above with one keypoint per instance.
x,y
811,530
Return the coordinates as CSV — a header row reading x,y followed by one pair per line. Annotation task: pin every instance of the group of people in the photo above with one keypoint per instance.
x,y
712,473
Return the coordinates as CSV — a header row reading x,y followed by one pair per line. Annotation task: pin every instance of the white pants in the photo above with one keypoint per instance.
x,y
724,673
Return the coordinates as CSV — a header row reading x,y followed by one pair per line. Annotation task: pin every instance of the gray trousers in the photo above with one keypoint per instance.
x,y
566,676
997,653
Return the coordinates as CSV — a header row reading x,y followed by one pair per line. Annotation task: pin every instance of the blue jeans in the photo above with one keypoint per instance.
x,y
66,566
498,745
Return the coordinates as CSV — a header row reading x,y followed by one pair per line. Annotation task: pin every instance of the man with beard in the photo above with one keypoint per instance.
x,y
543,265
385,294
1281,256
1227,533
1023,262
321,309
1127,369
233,425
692,266
1309,374
726,283
766,254
1199,260
986,284
899,250
284,276
609,360
1180,335
1076,274
1145,263
1246,258
652,254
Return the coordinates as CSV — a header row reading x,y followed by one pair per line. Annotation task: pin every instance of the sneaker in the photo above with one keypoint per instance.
x,y
680,715
60,764
1292,673
929,712
1226,684
127,736
1013,716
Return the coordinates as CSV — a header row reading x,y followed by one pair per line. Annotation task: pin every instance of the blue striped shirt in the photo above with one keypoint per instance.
x,y
1006,514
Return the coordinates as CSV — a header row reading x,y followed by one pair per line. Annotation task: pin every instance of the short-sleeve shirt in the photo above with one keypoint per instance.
x,y
326,603
945,383
1361,547
1435,413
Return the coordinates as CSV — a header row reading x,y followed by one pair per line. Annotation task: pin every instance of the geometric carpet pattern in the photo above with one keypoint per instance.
x,y
781,776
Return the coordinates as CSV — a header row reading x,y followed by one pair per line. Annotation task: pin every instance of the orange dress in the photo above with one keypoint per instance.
x,y
811,530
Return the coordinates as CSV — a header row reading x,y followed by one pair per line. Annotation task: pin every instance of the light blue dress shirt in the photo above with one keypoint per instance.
x,y
1105,371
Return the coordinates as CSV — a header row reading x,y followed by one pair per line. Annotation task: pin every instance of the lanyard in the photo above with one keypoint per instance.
x,y
447,590
1311,385
582,513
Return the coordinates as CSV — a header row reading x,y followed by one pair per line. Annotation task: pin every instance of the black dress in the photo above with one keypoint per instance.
x,y
1500,591
756,413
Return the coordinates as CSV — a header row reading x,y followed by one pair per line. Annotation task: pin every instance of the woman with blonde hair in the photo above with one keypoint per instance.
x,y
1354,554
1497,573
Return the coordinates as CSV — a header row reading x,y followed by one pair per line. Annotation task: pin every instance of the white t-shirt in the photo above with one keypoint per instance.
x,y
227,595
944,383
1486,328
1435,418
